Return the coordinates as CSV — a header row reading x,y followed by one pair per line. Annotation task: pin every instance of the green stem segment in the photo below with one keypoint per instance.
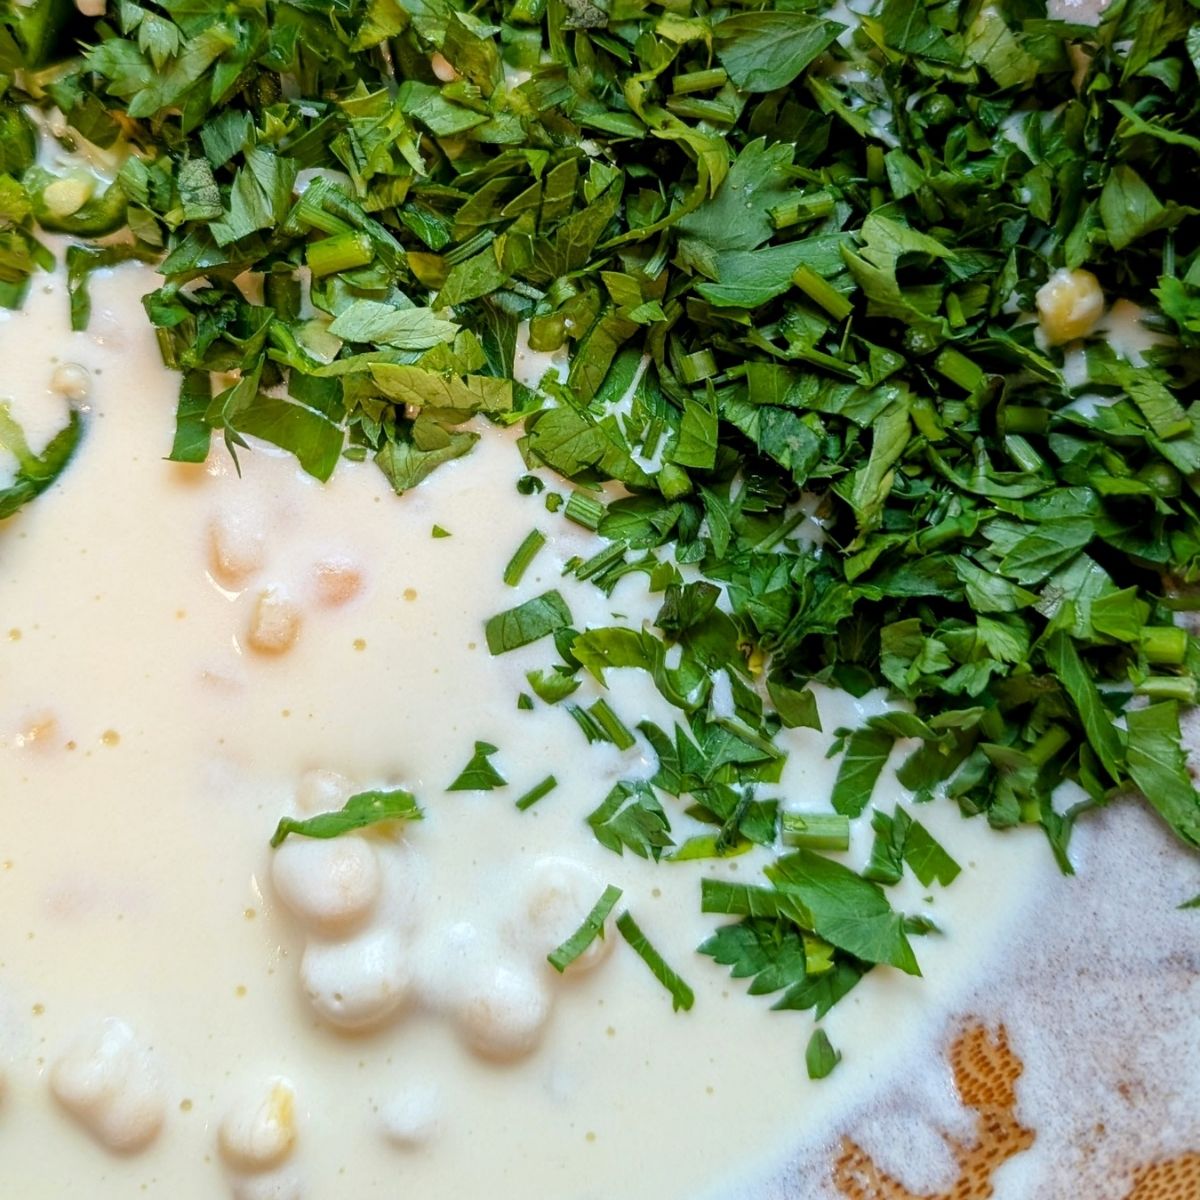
x,y
537,792
342,252
1168,687
614,728
1164,645
816,831
584,510
699,81
525,553
822,293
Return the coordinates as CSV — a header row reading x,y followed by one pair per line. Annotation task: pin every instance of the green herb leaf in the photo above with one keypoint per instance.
x,y
820,1057
35,472
360,811
479,775
763,51
848,911
866,754
1159,768
682,996
592,928
527,623
631,817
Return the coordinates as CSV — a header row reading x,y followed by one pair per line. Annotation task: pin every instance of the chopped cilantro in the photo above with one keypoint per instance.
x,y
631,817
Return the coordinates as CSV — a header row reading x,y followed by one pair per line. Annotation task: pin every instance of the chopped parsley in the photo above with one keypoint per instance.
x,y
820,1057
479,775
796,268
34,472
527,623
361,810
538,792
591,928
682,996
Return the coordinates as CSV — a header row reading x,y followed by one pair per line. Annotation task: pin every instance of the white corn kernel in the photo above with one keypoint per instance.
x,y
107,1081
259,1130
1069,305
331,884
503,1016
237,547
71,381
275,624
357,983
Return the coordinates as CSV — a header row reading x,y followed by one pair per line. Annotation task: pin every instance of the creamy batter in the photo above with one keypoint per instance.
x,y
185,657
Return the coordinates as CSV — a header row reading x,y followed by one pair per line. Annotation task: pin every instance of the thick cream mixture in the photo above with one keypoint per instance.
x,y
185,657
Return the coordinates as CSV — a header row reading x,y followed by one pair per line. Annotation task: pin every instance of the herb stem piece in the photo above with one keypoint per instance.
x,y
1168,687
816,831
536,792
822,293
525,553
614,728
339,253
1164,645
698,81
584,510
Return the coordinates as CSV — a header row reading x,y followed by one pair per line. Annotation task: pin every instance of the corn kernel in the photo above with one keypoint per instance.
x,y
1069,305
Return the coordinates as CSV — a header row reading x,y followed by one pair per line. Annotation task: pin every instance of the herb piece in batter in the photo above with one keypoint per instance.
x,y
479,775
591,928
682,996
361,810
820,1057
35,472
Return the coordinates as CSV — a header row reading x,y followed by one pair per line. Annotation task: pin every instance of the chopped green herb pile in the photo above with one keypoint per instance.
x,y
796,268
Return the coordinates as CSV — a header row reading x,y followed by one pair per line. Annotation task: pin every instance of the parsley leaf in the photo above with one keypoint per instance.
x,y
479,775
35,472
360,811
682,996
631,817
591,928
820,1057
528,622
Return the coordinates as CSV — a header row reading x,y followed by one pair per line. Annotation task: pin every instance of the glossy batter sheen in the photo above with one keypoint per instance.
x,y
186,656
